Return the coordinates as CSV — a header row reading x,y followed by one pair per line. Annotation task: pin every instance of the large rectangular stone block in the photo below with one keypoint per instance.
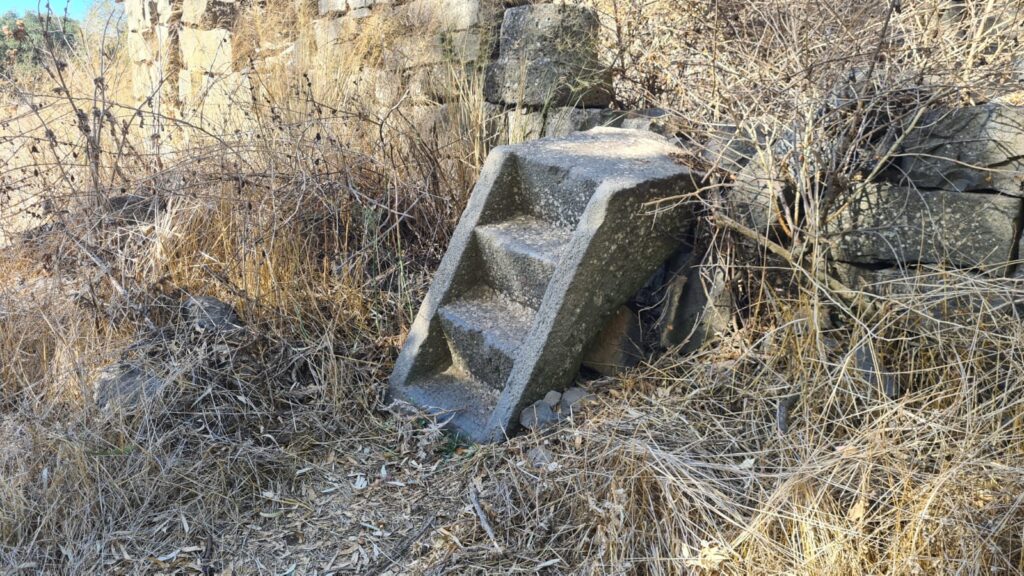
x,y
524,125
208,51
137,15
149,47
445,82
974,148
332,7
138,47
446,47
447,14
216,99
141,15
549,56
332,32
351,8
154,80
886,224
167,11
207,14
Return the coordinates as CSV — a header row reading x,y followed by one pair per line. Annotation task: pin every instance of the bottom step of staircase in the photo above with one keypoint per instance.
x,y
451,396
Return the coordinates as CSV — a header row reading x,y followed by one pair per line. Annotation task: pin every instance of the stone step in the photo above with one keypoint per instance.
x,y
557,235
554,191
520,256
453,395
484,330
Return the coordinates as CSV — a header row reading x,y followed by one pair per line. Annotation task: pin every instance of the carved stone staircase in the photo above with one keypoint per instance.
x,y
557,234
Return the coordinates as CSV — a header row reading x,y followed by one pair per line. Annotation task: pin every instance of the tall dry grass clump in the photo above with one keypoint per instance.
x,y
686,468
829,431
315,215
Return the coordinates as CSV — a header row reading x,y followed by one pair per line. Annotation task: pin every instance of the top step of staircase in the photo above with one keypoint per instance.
x,y
559,176
557,234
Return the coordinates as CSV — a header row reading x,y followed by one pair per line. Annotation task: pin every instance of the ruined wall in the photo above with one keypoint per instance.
x,y
538,67
182,56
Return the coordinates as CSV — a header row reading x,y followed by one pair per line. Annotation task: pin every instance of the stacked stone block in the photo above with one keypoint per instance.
x,y
152,40
181,54
537,67
211,84
955,198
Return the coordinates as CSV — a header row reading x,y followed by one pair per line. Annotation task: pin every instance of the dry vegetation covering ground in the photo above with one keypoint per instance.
x,y
320,220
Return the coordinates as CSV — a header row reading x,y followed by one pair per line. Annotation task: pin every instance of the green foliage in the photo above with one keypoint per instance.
x,y
30,40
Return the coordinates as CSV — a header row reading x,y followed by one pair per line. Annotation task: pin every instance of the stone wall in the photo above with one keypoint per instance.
x,y
182,60
537,67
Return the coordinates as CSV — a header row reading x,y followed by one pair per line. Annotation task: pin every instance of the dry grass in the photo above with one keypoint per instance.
x,y
320,218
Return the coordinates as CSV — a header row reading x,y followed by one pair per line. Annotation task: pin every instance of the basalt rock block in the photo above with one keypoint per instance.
x,y
977,148
549,56
883,224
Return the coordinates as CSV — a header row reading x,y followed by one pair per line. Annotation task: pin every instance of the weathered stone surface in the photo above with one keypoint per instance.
x,y
146,81
444,82
882,223
137,16
167,11
619,345
566,120
441,122
207,51
332,7
549,56
150,46
571,215
276,59
447,14
575,401
457,47
215,99
760,194
525,124
698,302
537,416
731,148
978,148
552,398
209,315
332,32
207,14
141,16
654,120
126,386
139,49
374,86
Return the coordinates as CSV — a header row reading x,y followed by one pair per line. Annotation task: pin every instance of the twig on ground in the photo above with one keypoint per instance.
x,y
484,523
